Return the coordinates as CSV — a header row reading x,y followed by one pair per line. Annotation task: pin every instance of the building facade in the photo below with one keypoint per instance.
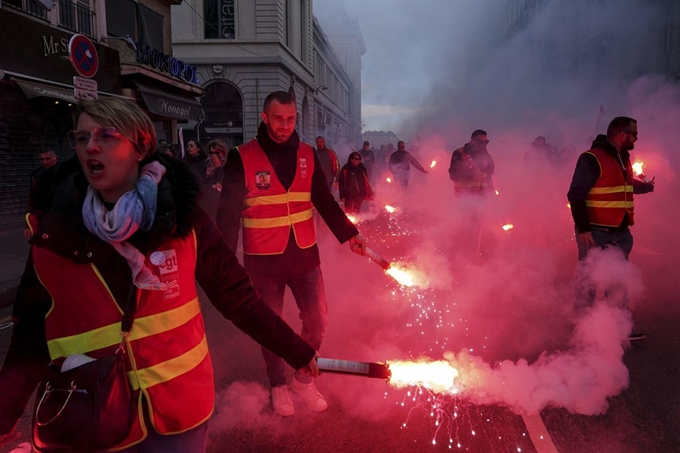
x,y
244,50
132,44
380,138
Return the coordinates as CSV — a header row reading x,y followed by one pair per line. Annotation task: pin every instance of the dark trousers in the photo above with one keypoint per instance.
x,y
353,205
310,297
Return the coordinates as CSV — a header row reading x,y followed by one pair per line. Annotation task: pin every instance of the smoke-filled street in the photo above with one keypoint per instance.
x,y
510,166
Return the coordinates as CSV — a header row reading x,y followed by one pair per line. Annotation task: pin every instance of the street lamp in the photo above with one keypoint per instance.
x,y
320,88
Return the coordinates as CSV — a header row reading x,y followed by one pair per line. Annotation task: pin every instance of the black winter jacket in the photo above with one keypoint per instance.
x,y
62,231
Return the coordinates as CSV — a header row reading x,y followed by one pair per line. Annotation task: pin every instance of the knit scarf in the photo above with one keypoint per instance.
x,y
133,211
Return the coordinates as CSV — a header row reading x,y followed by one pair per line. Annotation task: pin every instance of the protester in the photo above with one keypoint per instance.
x,y
48,160
328,161
211,177
601,197
369,162
353,184
272,182
123,227
471,171
195,157
400,165
472,167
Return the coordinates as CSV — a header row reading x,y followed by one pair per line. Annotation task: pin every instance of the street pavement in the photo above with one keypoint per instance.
x,y
368,415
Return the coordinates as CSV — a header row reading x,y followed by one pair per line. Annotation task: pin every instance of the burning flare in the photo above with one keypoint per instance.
x,y
508,226
400,275
389,180
437,376
498,193
637,168
434,162
390,209
353,219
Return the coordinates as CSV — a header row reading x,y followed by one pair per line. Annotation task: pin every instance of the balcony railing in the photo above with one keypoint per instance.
x,y
27,6
76,17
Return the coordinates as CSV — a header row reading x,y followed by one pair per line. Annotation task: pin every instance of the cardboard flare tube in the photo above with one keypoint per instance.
x,y
377,259
365,369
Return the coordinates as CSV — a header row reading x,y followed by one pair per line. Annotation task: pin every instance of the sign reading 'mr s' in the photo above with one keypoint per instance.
x,y
156,59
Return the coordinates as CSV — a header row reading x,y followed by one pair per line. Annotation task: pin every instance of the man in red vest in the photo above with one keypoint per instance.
x,y
270,185
601,195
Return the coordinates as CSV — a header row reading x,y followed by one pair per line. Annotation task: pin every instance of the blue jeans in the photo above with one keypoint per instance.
x,y
192,441
310,297
586,287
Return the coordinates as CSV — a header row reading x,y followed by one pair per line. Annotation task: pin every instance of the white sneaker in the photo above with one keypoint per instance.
x,y
281,401
314,400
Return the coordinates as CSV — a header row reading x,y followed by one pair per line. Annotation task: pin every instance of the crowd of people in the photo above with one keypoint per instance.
x,y
137,226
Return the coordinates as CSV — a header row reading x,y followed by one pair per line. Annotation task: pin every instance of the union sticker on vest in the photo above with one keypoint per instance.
x,y
303,167
263,180
168,271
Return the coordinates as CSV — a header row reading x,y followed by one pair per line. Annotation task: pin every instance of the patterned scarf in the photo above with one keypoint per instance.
x,y
133,211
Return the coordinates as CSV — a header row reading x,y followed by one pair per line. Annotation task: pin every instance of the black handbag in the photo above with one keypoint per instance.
x,y
89,408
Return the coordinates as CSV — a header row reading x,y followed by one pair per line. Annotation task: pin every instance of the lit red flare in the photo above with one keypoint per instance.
x,y
438,376
434,162
390,209
637,168
498,193
508,226
400,275
389,180
352,218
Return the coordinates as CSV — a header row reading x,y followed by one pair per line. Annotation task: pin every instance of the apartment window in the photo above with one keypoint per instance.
x,y
76,16
127,17
220,19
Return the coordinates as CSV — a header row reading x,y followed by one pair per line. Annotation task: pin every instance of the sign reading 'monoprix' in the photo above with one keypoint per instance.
x,y
83,55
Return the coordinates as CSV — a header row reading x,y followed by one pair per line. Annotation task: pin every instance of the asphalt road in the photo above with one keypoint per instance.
x,y
368,415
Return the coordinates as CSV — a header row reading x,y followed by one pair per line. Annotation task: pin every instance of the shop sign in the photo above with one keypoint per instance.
x,y
166,63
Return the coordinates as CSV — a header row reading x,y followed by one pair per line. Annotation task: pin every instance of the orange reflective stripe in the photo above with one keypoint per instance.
x,y
609,204
278,221
277,199
106,336
609,190
170,369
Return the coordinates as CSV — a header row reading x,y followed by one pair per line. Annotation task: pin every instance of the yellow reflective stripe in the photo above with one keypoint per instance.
x,y
609,204
28,222
608,190
108,290
170,369
277,199
106,336
278,221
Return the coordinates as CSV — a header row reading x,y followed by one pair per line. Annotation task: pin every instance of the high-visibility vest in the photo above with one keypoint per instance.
x,y
612,195
269,211
169,365
476,185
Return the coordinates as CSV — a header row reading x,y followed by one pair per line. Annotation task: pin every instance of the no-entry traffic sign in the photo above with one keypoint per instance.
x,y
83,55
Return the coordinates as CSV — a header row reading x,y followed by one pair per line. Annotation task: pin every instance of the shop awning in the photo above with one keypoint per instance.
x,y
34,90
168,101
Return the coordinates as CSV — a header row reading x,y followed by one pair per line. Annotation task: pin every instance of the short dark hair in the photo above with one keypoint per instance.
x,y
400,142
619,124
321,137
46,151
367,143
282,97
478,132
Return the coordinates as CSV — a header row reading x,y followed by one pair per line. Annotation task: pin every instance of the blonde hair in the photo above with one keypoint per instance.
x,y
218,145
126,117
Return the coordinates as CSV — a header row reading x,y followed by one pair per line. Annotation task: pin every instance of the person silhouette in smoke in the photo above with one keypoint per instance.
x,y
400,165
471,171
601,197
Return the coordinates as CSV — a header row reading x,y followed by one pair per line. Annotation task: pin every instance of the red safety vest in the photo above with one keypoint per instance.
x,y
473,186
612,196
169,363
269,211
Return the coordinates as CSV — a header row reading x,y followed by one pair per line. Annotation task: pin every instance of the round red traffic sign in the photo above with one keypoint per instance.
x,y
83,56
